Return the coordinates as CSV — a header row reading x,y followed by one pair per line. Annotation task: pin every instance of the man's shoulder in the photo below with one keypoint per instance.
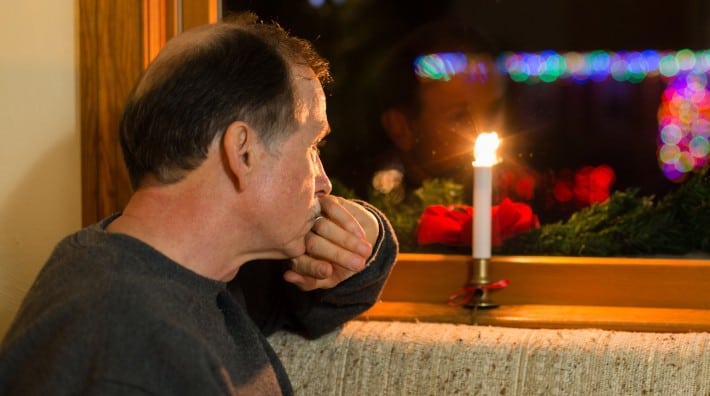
x,y
100,342
101,278
94,243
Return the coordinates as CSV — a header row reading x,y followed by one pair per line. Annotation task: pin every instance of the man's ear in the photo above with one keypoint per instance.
x,y
238,145
397,127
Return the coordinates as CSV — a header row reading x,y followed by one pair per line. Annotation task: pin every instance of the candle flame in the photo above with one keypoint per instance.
x,y
484,151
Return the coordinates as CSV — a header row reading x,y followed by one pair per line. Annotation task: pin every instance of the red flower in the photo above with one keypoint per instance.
x,y
525,187
453,225
588,185
562,191
516,182
592,184
444,224
510,219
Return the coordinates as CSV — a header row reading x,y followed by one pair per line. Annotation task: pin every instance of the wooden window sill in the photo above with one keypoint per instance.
x,y
674,320
633,294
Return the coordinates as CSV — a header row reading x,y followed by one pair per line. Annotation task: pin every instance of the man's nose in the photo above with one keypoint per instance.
x,y
323,184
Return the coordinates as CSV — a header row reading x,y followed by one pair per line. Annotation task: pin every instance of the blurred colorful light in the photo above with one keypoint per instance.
x,y
684,120
632,66
445,65
684,112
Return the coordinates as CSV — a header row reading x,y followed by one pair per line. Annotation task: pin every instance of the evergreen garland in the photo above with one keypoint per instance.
x,y
629,225
625,225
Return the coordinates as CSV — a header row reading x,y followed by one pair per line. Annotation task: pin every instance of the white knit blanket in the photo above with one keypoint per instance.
x,y
393,358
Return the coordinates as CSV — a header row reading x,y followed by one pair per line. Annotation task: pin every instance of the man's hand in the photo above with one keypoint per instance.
x,y
337,247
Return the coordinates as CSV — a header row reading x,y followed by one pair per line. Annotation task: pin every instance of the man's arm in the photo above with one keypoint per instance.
x,y
314,304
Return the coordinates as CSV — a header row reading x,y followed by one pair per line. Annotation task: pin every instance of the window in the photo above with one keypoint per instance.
x,y
600,97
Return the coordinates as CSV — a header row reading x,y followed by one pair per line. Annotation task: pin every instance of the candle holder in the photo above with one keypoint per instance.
x,y
479,282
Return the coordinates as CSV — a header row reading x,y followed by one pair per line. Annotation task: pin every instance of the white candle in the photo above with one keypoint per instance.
x,y
485,157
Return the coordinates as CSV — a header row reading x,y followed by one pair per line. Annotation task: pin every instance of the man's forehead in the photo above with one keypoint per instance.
x,y
310,101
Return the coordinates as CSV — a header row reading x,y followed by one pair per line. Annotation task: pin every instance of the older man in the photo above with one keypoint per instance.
x,y
220,137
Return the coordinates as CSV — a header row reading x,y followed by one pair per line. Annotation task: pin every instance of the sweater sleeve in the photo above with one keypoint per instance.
x,y
275,304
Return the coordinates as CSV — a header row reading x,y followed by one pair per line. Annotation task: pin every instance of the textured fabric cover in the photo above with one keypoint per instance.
x,y
393,358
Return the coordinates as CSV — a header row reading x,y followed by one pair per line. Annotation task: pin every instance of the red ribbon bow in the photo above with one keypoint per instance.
x,y
467,293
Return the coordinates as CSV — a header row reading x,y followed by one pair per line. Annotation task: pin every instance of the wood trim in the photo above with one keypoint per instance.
x,y
663,294
594,281
161,24
198,12
117,39
154,29
88,58
111,60
548,316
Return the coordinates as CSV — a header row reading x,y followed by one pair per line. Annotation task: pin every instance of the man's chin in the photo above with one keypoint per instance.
x,y
297,246
296,249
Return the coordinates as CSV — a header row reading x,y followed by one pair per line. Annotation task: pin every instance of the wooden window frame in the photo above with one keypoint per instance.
x,y
119,38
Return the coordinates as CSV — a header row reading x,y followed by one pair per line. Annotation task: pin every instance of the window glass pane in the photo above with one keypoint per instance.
x,y
593,101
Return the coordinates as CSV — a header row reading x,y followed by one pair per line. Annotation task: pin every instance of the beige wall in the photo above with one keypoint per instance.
x,y
40,197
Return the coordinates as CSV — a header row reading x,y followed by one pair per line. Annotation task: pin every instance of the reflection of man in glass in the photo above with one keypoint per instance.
x,y
440,88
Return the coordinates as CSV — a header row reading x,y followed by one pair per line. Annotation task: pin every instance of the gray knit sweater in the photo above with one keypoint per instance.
x,y
109,315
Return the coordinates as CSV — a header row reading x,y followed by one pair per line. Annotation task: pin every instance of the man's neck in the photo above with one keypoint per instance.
x,y
185,222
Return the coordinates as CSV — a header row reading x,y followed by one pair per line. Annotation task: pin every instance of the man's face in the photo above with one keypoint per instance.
x,y
293,178
452,113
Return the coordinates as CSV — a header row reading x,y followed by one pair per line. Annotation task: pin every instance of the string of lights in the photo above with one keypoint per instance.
x,y
623,66
684,112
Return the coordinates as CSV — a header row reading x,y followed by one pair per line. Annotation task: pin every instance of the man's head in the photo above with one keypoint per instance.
x,y
444,90
201,82
227,121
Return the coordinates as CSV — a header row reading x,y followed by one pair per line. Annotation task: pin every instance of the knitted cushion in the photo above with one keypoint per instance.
x,y
394,358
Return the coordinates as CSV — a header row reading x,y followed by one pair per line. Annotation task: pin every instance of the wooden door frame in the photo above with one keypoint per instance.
x,y
117,40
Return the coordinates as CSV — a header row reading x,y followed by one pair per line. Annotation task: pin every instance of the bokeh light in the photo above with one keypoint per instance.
x,y
684,112
444,66
684,120
625,66
671,134
316,3
699,147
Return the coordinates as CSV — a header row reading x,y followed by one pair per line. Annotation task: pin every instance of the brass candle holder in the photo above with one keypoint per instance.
x,y
478,281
